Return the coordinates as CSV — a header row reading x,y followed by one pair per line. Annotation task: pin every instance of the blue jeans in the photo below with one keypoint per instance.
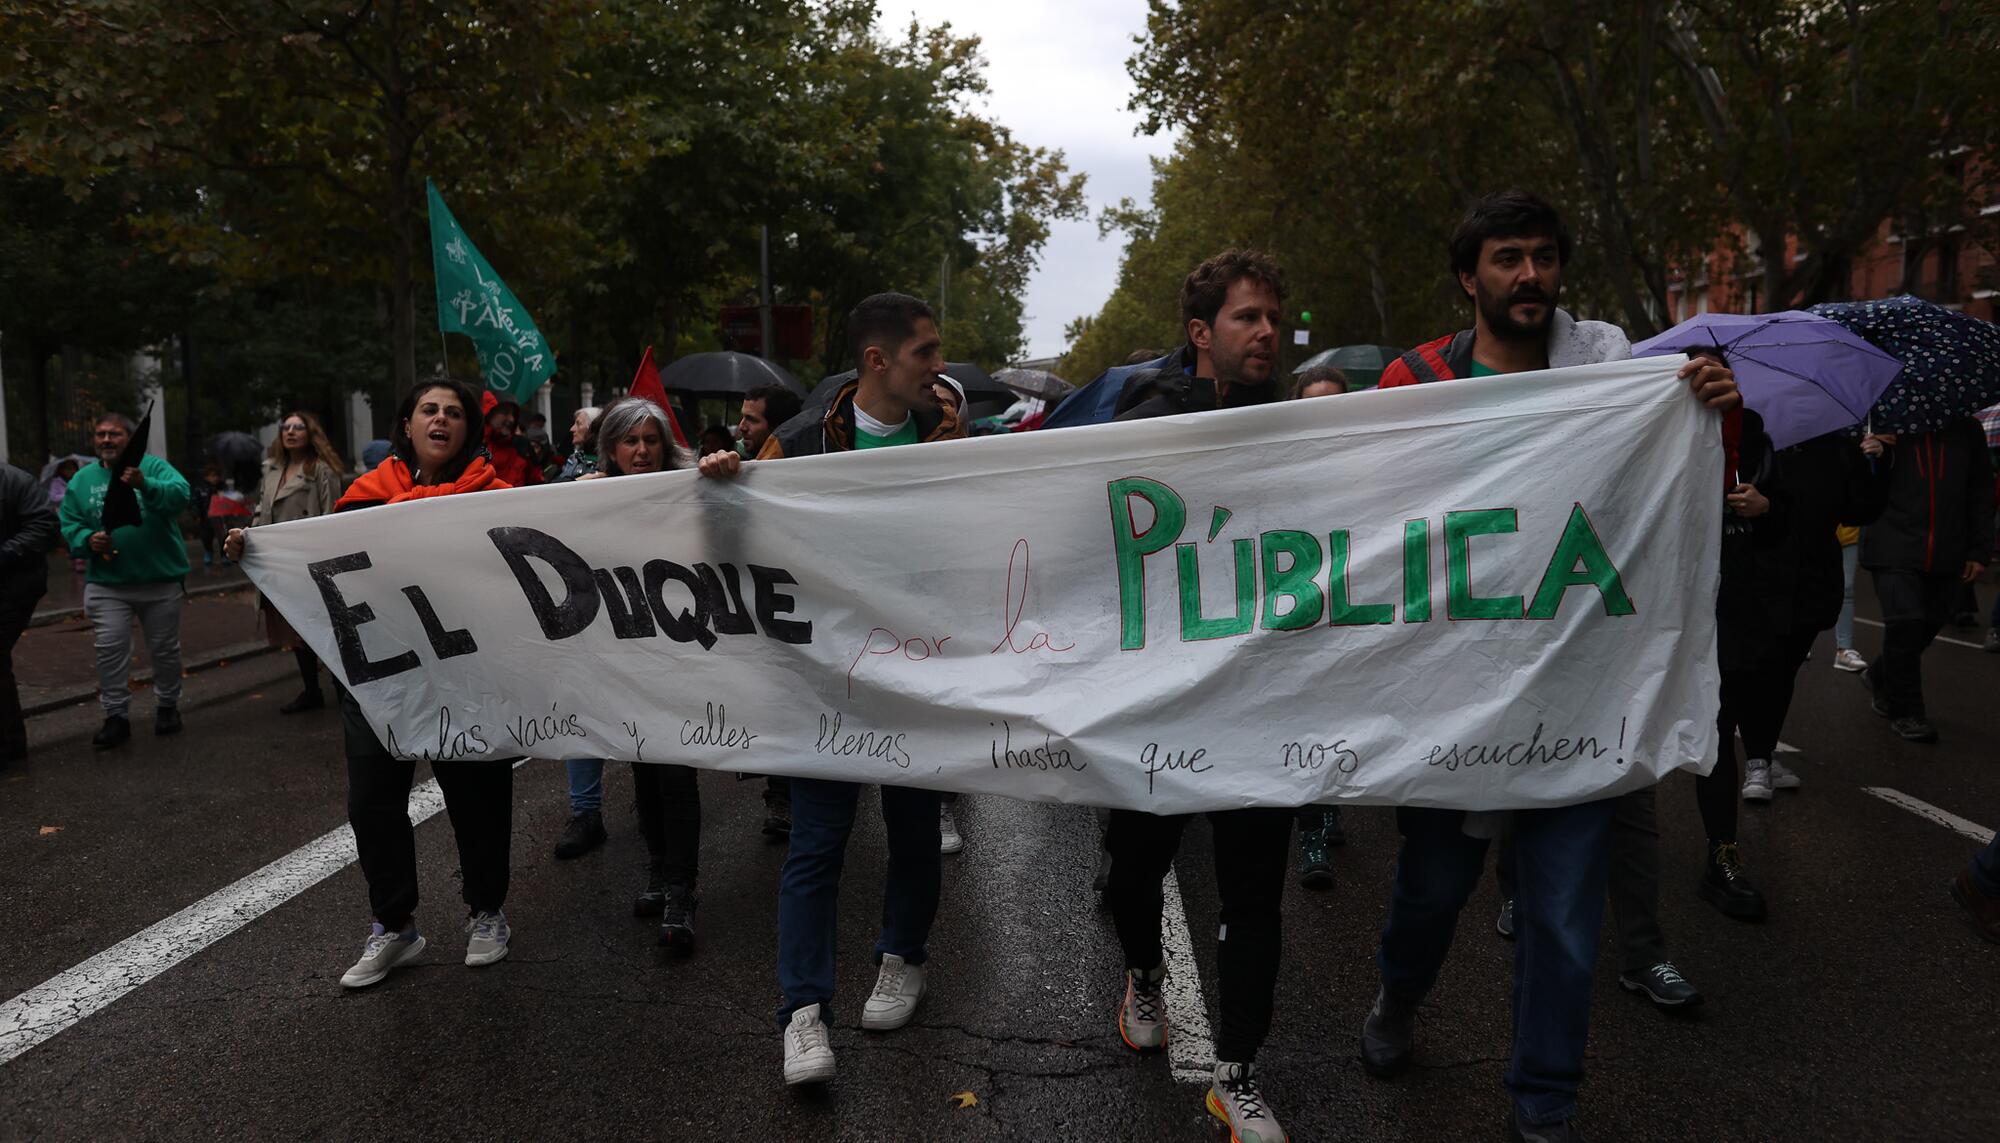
x,y
1986,869
809,888
1559,887
1843,627
586,784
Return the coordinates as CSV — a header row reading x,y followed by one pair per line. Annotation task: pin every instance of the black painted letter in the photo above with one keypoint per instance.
x,y
771,601
347,622
579,606
446,644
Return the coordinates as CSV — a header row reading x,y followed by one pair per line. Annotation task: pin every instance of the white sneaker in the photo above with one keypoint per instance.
x,y
1235,1099
1782,777
898,988
1757,780
489,938
808,1054
383,953
949,839
1848,659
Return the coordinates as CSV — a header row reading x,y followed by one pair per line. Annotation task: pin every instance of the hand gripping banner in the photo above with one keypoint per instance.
x,y
1482,594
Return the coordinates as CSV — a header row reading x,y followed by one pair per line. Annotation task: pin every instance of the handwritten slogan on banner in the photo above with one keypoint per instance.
x,y
1483,594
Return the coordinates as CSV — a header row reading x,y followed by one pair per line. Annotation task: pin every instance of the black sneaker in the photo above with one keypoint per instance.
x,y
1724,886
777,818
1875,703
116,729
1664,985
652,900
1388,1037
1504,923
1965,619
1335,836
1914,728
677,919
584,833
1315,867
1992,644
307,700
167,720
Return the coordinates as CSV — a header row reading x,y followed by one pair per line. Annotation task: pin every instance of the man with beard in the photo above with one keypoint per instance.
x,y
1508,253
1230,308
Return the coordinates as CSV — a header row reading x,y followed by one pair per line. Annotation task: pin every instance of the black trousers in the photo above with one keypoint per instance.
x,y
1915,607
16,609
1634,879
1755,702
478,796
669,804
1252,856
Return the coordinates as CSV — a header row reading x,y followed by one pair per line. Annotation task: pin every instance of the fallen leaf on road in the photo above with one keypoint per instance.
x,y
47,830
964,1099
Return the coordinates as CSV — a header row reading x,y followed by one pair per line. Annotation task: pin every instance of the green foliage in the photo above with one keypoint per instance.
x,y
613,158
1345,137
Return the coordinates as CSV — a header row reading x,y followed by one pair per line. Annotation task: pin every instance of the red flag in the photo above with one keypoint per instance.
x,y
646,383
487,402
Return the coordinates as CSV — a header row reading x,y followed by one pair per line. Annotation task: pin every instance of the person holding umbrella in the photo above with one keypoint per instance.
x,y
136,564
1935,535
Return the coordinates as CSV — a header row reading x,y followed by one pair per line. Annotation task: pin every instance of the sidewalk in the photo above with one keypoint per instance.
x,y
56,662
65,595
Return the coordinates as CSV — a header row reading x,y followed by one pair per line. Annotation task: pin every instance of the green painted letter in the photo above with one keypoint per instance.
x,y
1459,602
1294,583
1132,546
1580,545
1193,625
1416,571
1339,612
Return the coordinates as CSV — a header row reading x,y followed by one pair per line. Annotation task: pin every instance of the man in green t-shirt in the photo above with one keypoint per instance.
x,y
134,571
897,397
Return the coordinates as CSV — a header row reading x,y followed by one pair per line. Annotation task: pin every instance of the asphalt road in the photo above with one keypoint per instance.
x,y
1863,1009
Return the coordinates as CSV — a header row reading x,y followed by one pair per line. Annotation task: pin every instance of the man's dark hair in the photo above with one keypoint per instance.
x,y
885,321
1321,373
511,408
1203,292
1505,214
780,403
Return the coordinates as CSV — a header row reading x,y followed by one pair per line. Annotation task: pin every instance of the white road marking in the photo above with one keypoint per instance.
x,y
1941,638
54,1005
1787,748
1923,809
1189,1045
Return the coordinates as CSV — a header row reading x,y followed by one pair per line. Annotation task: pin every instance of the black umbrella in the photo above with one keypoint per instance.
x,y
1035,383
121,503
233,448
725,373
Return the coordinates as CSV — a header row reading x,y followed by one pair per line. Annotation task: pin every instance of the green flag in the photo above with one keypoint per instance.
x,y
472,300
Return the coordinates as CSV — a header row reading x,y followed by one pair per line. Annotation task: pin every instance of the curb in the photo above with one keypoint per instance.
x,y
65,614
215,659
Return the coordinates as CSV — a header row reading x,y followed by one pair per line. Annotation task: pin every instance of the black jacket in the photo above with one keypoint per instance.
x,y
826,424
1940,503
1174,389
27,532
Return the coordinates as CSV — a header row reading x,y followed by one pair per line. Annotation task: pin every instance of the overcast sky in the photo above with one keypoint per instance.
x,y
1057,72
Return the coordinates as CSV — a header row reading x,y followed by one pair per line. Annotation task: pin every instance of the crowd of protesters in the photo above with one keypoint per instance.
x,y
1916,511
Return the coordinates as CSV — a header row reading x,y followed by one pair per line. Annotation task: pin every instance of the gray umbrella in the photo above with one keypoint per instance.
x,y
233,448
724,373
1035,383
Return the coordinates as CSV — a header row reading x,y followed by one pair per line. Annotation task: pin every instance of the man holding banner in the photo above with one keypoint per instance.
x,y
1508,253
894,399
1231,309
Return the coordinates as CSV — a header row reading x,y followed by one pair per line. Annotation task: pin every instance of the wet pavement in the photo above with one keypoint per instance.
x,y
1863,1009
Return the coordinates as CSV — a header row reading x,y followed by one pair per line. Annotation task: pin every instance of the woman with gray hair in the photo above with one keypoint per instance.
x,y
635,436
582,456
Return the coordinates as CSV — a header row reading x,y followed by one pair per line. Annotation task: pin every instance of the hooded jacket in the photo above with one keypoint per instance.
x,y
390,483
827,425
1173,388
1571,342
1940,504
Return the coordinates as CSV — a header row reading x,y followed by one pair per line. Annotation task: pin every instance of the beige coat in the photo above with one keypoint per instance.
x,y
307,494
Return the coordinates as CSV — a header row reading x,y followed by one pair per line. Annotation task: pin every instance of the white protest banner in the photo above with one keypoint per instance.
x,y
1483,594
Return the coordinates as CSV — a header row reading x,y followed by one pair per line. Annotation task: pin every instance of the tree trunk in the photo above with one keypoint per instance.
x,y
1378,289
38,397
402,218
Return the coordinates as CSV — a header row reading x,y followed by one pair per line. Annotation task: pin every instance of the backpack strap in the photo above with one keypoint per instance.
x,y
1418,362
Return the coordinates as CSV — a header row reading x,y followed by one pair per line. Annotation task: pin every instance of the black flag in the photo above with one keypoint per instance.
x,y
121,503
